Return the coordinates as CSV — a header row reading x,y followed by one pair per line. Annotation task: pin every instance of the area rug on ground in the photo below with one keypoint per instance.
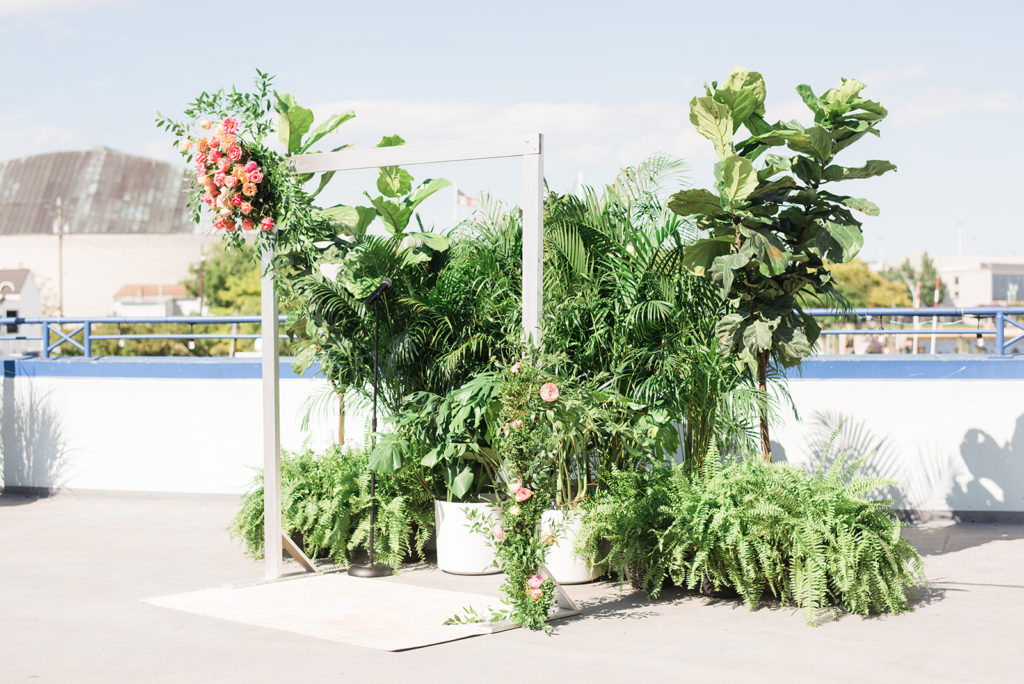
x,y
380,614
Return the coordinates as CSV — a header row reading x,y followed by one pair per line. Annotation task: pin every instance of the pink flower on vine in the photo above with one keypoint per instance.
x,y
236,200
267,223
535,582
255,176
523,494
515,485
230,125
536,593
247,224
235,152
498,532
549,392
251,166
230,181
248,189
516,424
246,208
516,367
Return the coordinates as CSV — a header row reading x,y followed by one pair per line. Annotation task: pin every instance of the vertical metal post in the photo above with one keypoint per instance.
x,y
272,545
1000,331
46,340
533,244
87,338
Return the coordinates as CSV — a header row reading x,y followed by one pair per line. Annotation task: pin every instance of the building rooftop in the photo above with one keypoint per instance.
x,y
14,276
100,191
150,291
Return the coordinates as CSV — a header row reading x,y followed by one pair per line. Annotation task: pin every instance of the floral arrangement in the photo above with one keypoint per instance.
x,y
230,176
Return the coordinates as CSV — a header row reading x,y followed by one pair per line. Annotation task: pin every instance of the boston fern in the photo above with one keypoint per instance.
x,y
811,540
325,506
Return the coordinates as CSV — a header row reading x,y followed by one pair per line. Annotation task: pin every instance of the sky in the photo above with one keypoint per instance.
x,y
608,84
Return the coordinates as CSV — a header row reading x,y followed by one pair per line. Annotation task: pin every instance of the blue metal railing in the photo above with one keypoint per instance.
x,y
56,326
1003,317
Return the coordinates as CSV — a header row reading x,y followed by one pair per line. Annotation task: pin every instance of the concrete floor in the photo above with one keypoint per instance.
x,y
73,571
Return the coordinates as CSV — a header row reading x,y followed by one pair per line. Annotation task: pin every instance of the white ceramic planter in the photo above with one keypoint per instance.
x,y
561,560
460,550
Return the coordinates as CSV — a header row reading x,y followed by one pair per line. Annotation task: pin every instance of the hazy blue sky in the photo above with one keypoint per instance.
x,y
607,83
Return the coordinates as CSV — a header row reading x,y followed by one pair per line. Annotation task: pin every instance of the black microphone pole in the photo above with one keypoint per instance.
x,y
374,569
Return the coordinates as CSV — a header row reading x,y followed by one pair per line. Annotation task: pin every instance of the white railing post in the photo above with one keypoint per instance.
x,y
533,243
272,546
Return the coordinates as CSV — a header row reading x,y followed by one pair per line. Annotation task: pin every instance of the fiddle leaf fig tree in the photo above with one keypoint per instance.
x,y
772,224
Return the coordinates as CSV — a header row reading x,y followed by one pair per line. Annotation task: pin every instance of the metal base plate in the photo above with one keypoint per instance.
x,y
370,570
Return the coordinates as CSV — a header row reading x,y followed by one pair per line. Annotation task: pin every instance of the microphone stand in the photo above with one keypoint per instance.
x,y
373,569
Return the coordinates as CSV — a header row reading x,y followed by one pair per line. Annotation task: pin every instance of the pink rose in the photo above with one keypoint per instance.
x,y
498,532
213,141
205,124
516,424
225,212
515,367
219,222
536,593
208,198
219,178
255,176
267,223
247,224
251,166
248,189
221,202
235,152
523,494
246,208
236,200
535,582
215,155
223,164
230,125
515,485
229,226
230,181
200,159
202,145
185,145
548,392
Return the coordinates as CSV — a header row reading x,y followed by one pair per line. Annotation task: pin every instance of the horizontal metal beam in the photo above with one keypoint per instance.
x,y
409,155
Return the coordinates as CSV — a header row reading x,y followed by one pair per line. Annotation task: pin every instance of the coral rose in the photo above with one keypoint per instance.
x,y
201,159
229,226
248,189
251,166
202,145
548,392
223,164
219,178
515,485
230,181
536,593
255,176
214,141
498,532
535,582
246,208
523,494
247,224
267,223
515,367
236,200
215,155
235,152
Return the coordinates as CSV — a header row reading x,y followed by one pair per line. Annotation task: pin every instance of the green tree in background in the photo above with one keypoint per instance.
x,y
862,287
909,277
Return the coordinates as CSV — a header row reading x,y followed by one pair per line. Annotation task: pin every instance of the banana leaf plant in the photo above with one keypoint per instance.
x,y
772,224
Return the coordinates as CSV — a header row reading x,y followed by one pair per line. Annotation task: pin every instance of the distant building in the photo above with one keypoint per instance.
x,y
121,218
154,300
982,280
19,298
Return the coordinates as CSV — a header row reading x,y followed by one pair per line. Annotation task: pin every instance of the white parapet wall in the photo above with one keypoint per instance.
x,y
94,431
950,430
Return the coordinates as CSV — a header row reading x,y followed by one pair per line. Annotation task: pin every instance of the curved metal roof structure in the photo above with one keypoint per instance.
x,y
100,191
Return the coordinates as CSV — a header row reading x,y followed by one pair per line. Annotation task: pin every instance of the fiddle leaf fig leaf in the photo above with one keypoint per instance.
x,y
738,179
698,256
874,167
861,205
838,242
714,121
691,202
744,92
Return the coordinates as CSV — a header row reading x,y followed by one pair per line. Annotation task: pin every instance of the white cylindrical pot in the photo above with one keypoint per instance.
x,y
460,550
561,559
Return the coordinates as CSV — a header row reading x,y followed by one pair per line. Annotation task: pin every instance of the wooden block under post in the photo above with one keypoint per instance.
x,y
295,552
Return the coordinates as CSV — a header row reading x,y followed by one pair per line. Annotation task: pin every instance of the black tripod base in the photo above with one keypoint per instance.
x,y
370,570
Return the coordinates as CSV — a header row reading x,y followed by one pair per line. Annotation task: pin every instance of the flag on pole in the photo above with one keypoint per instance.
x,y
465,200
